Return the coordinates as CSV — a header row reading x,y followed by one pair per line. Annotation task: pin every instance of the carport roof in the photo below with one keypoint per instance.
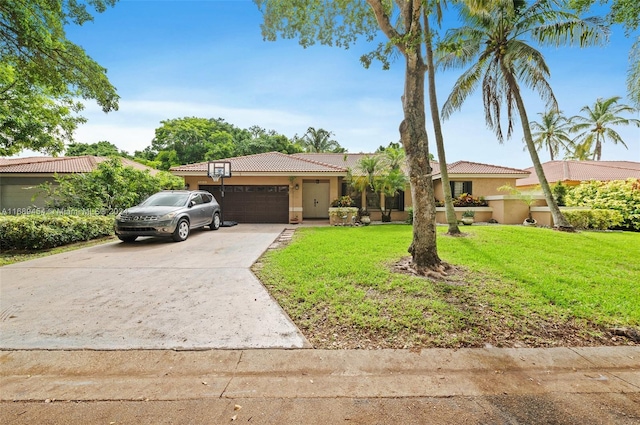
x,y
271,162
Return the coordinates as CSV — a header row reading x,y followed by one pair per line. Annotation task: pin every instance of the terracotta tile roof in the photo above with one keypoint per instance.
x,y
61,164
468,167
342,160
577,171
274,162
271,162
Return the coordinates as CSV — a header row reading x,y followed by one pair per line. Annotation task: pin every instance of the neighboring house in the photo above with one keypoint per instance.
x,y
19,177
276,188
571,173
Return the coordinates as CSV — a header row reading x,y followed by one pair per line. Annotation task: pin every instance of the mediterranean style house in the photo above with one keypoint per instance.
x,y
279,188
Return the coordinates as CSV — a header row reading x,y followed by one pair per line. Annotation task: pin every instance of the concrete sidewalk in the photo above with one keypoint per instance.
x,y
510,386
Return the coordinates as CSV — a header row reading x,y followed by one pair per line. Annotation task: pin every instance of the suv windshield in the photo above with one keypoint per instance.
x,y
167,200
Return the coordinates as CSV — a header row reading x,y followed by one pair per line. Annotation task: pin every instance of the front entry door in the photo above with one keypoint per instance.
x,y
315,200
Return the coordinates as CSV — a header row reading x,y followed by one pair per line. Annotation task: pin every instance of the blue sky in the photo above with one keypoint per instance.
x,y
172,59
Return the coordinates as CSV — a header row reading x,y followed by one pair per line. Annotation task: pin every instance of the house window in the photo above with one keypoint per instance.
x,y
395,202
458,188
373,200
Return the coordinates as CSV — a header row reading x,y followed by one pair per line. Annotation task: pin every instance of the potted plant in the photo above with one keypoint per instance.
x,y
467,217
365,217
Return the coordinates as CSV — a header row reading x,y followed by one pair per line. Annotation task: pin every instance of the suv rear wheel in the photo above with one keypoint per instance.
x,y
215,222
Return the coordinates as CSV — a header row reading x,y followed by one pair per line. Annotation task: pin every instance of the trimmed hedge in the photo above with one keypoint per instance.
x,y
34,232
594,218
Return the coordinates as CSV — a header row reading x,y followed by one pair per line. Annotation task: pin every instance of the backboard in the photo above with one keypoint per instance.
x,y
217,169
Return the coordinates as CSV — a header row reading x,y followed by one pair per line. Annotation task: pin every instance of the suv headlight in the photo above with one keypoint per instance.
x,y
168,216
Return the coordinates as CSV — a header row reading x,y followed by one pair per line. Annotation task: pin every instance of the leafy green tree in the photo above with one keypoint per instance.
x,y
31,118
319,140
33,37
102,148
551,133
595,126
108,189
627,14
42,72
497,41
340,23
262,141
191,139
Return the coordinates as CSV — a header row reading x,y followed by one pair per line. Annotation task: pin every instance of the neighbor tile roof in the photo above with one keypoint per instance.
x,y
61,164
271,162
578,171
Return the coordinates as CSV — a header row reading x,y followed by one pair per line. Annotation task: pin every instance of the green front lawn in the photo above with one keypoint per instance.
x,y
511,286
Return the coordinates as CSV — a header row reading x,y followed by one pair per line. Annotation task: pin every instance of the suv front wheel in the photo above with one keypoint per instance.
x,y
182,231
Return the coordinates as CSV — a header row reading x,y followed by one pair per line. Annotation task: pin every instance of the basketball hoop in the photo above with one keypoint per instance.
x,y
218,169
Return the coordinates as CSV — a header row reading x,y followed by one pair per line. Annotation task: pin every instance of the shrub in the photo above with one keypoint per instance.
x,y
619,195
559,193
43,231
466,200
344,201
593,218
409,219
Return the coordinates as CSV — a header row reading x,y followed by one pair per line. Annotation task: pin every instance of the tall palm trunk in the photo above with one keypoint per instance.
x,y
414,138
450,212
559,221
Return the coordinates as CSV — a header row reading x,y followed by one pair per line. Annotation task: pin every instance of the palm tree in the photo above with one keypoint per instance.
x,y
495,41
552,132
388,184
319,141
450,212
595,126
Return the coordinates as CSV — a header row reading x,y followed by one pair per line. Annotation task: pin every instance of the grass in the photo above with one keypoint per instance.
x,y
11,257
513,286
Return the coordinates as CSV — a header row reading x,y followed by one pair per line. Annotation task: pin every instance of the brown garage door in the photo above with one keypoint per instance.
x,y
253,204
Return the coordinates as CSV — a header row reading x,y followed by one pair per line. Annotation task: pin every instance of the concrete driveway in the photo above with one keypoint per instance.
x,y
152,294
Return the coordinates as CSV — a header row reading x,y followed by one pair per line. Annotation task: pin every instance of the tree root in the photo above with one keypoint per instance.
x,y
630,333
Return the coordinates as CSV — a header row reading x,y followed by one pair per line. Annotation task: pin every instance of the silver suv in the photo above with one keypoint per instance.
x,y
169,213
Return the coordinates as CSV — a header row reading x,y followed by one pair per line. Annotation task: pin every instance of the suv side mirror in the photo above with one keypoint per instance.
x,y
191,203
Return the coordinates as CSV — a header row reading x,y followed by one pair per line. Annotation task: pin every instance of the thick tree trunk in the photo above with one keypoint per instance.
x,y
450,212
559,220
413,135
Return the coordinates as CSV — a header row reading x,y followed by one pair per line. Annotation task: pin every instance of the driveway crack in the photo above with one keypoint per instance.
x,y
224,390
